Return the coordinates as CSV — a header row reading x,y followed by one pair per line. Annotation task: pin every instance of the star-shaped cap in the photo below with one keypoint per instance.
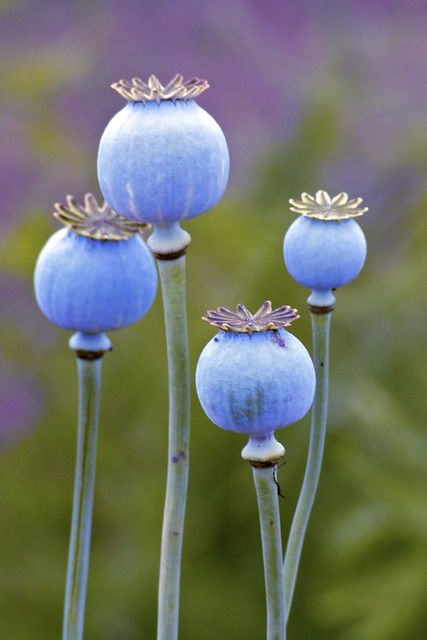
x,y
243,321
98,222
323,207
136,90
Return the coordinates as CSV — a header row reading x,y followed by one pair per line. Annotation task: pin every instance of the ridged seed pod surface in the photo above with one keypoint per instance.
x,y
94,286
255,383
324,254
162,161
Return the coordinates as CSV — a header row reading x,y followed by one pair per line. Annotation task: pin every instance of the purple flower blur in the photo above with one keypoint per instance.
x,y
271,64
20,405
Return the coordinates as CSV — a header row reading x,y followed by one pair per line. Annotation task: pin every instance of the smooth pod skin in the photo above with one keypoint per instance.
x,y
323,254
94,286
255,383
162,162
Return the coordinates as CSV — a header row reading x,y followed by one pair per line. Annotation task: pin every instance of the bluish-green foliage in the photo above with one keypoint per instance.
x,y
365,544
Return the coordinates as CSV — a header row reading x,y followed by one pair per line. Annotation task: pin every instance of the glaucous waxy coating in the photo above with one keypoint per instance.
x,y
162,161
255,382
94,286
325,248
322,254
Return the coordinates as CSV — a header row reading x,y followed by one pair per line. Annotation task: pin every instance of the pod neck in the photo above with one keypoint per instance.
x,y
90,346
321,301
263,449
168,241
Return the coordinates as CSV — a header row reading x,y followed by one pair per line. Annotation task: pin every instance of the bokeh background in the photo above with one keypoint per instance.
x,y
310,95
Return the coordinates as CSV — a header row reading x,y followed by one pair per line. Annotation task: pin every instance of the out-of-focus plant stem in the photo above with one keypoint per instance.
x,y
320,328
271,539
172,277
89,374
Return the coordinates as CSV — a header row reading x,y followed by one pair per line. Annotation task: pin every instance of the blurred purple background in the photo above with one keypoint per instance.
x,y
267,62
337,89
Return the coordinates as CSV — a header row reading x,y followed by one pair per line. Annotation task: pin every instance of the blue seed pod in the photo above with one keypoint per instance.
x,y
254,377
325,248
162,158
97,274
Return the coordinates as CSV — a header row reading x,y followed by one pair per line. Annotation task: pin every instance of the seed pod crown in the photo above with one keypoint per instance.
x,y
324,207
136,90
98,222
243,321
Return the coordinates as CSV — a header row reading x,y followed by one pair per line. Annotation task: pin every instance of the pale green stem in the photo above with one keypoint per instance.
x,y
172,277
271,538
320,326
89,374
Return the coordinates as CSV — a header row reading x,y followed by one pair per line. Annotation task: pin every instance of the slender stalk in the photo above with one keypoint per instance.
x,y
269,518
320,326
89,374
172,277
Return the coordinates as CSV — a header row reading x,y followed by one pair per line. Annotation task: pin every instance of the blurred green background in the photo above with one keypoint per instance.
x,y
310,95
